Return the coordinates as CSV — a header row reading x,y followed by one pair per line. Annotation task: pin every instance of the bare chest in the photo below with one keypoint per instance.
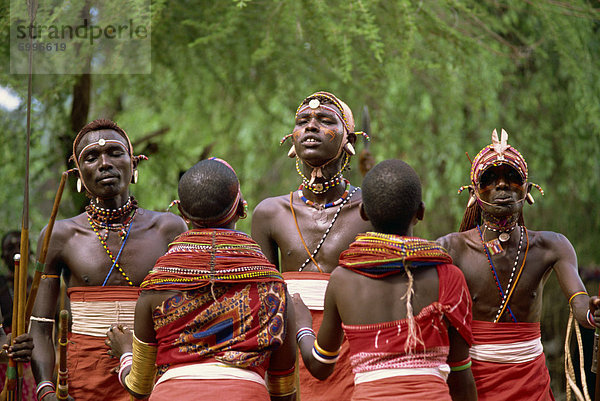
x,y
95,260
311,237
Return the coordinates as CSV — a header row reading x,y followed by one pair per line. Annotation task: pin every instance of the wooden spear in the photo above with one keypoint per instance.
x,y
62,385
41,262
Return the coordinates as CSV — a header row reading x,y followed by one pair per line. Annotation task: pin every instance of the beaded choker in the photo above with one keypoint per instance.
x,y
327,205
504,234
100,218
322,187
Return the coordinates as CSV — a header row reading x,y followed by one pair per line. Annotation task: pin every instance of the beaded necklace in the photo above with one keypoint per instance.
x,y
312,256
327,205
99,218
504,234
504,296
322,187
110,255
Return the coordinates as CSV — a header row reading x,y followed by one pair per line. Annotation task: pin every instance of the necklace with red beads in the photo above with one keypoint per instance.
x,y
99,218
318,206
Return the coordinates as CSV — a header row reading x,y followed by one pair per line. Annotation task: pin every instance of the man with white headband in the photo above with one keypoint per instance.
x,y
103,254
506,266
304,232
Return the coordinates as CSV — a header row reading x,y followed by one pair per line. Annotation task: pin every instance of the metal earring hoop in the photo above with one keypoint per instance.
x,y
79,185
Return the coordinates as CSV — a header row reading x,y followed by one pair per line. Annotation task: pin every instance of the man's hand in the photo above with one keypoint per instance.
x,y
303,316
595,310
20,351
119,340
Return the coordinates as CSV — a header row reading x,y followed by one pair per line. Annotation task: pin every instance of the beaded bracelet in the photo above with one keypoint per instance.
x,y
577,293
44,384
303,332
590,318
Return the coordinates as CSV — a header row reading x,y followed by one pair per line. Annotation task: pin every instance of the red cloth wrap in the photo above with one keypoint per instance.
x,y
241,329
232,305
90,368
510,381
403,388
382,345
340,384
209,389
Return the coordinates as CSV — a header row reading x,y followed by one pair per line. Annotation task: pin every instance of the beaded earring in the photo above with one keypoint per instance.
x,y
79,184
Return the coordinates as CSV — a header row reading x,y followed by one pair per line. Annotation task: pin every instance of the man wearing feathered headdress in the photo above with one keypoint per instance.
x,y
506,266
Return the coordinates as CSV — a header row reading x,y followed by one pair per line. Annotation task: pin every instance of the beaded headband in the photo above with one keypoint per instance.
x,y
499,152
228,216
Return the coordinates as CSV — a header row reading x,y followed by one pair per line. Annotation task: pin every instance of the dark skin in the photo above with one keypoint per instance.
x,y
20,351
503,188
120,339
76,251
317,137
355,299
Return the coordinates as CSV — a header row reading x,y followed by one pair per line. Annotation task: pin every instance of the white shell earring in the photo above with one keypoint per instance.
x,y
349,149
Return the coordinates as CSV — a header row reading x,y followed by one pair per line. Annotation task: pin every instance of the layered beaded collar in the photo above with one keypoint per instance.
x,y
322,187
327,205
106,219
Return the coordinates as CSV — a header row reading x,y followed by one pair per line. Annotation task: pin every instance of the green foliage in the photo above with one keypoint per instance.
x,y
437,77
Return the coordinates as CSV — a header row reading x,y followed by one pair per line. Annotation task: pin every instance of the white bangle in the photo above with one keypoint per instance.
x,y
41,319
125,355
590,318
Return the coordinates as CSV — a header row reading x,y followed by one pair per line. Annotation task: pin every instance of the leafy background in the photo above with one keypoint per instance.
x,y
436,76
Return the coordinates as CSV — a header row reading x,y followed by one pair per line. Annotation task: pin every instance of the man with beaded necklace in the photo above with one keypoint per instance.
x,y
104,254
506,266
310,227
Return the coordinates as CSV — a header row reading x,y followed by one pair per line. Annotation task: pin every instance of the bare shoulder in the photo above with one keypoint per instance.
x,y
550,241
269,210
271,206
66,228
455,240
167,223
